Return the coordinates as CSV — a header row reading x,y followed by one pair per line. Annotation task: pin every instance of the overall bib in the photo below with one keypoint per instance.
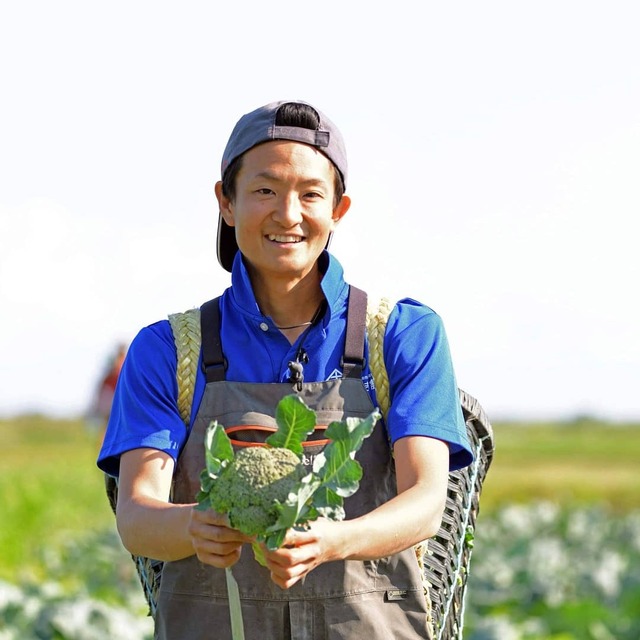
x,y
376,600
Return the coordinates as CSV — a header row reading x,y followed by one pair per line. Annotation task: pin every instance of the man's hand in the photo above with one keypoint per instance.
x,y
301,552
214,541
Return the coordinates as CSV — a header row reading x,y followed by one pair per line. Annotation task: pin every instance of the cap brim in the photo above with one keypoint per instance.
x,y
226,246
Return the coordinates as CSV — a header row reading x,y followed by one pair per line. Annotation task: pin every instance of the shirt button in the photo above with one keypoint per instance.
x,y
264,326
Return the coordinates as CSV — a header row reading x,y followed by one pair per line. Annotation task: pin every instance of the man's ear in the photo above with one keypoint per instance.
x,y
341,209
225,205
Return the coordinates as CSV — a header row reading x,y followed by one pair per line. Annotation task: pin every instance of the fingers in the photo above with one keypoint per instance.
x,y
217,555
289,566
299,554
209,516
285,576
214,541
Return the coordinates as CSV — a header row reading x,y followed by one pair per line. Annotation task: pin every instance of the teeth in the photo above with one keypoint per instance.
x,y
277,238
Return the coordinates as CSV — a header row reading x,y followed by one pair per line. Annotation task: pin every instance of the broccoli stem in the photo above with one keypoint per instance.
x,y
235,608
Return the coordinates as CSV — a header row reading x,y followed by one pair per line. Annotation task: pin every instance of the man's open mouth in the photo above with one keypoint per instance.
x,y
281,238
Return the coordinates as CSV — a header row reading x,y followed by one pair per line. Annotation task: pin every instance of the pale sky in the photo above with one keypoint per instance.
x,y
494,153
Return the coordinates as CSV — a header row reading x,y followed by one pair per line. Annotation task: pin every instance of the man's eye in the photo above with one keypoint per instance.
x,y
264,191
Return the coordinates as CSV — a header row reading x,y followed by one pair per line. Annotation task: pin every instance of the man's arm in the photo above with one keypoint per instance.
x,y
151,526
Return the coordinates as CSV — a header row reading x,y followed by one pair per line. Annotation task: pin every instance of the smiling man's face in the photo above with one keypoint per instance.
x,y
283,210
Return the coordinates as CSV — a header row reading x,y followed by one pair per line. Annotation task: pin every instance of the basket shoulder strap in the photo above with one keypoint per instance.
x,y
186,335
377,316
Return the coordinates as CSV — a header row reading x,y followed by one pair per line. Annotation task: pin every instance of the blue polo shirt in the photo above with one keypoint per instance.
x,y
423,389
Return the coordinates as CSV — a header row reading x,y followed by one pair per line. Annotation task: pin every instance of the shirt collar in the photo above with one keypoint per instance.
x,y
333,285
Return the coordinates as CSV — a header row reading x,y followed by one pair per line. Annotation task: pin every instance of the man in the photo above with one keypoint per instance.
x,y
283,327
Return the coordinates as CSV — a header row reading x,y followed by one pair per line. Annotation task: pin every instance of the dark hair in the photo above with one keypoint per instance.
x,y
290,114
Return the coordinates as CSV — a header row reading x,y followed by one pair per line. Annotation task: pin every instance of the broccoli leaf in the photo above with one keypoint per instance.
x,y
353,430
203,497
327,504
336,465
218,450
340,472
295,422
274,540
258,554
335,475
294,510
218,453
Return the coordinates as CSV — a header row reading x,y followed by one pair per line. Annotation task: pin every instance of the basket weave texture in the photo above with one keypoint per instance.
x,y
448,558
445,558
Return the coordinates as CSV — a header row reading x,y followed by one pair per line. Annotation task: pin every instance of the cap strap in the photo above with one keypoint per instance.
x,y
314,137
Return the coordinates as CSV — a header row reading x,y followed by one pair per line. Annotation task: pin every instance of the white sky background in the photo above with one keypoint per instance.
x,y
494,169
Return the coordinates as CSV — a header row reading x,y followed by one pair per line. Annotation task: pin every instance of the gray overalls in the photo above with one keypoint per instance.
x,y
376,600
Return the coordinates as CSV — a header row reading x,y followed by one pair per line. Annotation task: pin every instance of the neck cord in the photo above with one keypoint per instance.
x,y
296,367
304,324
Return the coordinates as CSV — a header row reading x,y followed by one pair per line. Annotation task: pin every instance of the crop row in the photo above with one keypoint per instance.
x,y
538,572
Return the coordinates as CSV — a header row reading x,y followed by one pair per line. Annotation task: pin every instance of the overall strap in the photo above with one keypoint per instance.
x,y
353,358
214,363
189,326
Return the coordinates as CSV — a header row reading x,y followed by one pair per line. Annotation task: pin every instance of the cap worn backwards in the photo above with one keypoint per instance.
x,y
260,126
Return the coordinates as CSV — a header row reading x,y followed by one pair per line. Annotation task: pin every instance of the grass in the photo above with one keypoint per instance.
x,y
577,463
51,491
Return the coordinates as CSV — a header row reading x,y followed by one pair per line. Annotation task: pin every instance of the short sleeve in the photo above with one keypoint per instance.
x,y
422,384
144,411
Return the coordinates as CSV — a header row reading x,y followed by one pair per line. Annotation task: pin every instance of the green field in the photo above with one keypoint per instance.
x,y
574,463
51,491
556,555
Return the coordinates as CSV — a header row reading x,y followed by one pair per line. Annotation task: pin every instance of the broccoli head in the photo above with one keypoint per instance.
x,y
248,488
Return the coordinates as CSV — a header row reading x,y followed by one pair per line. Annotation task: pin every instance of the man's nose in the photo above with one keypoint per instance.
x,y
289,210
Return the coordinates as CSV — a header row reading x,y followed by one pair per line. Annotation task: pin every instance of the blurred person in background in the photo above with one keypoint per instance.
x,y
100,409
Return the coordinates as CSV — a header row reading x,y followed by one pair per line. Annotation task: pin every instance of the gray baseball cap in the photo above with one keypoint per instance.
x,y
260,126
